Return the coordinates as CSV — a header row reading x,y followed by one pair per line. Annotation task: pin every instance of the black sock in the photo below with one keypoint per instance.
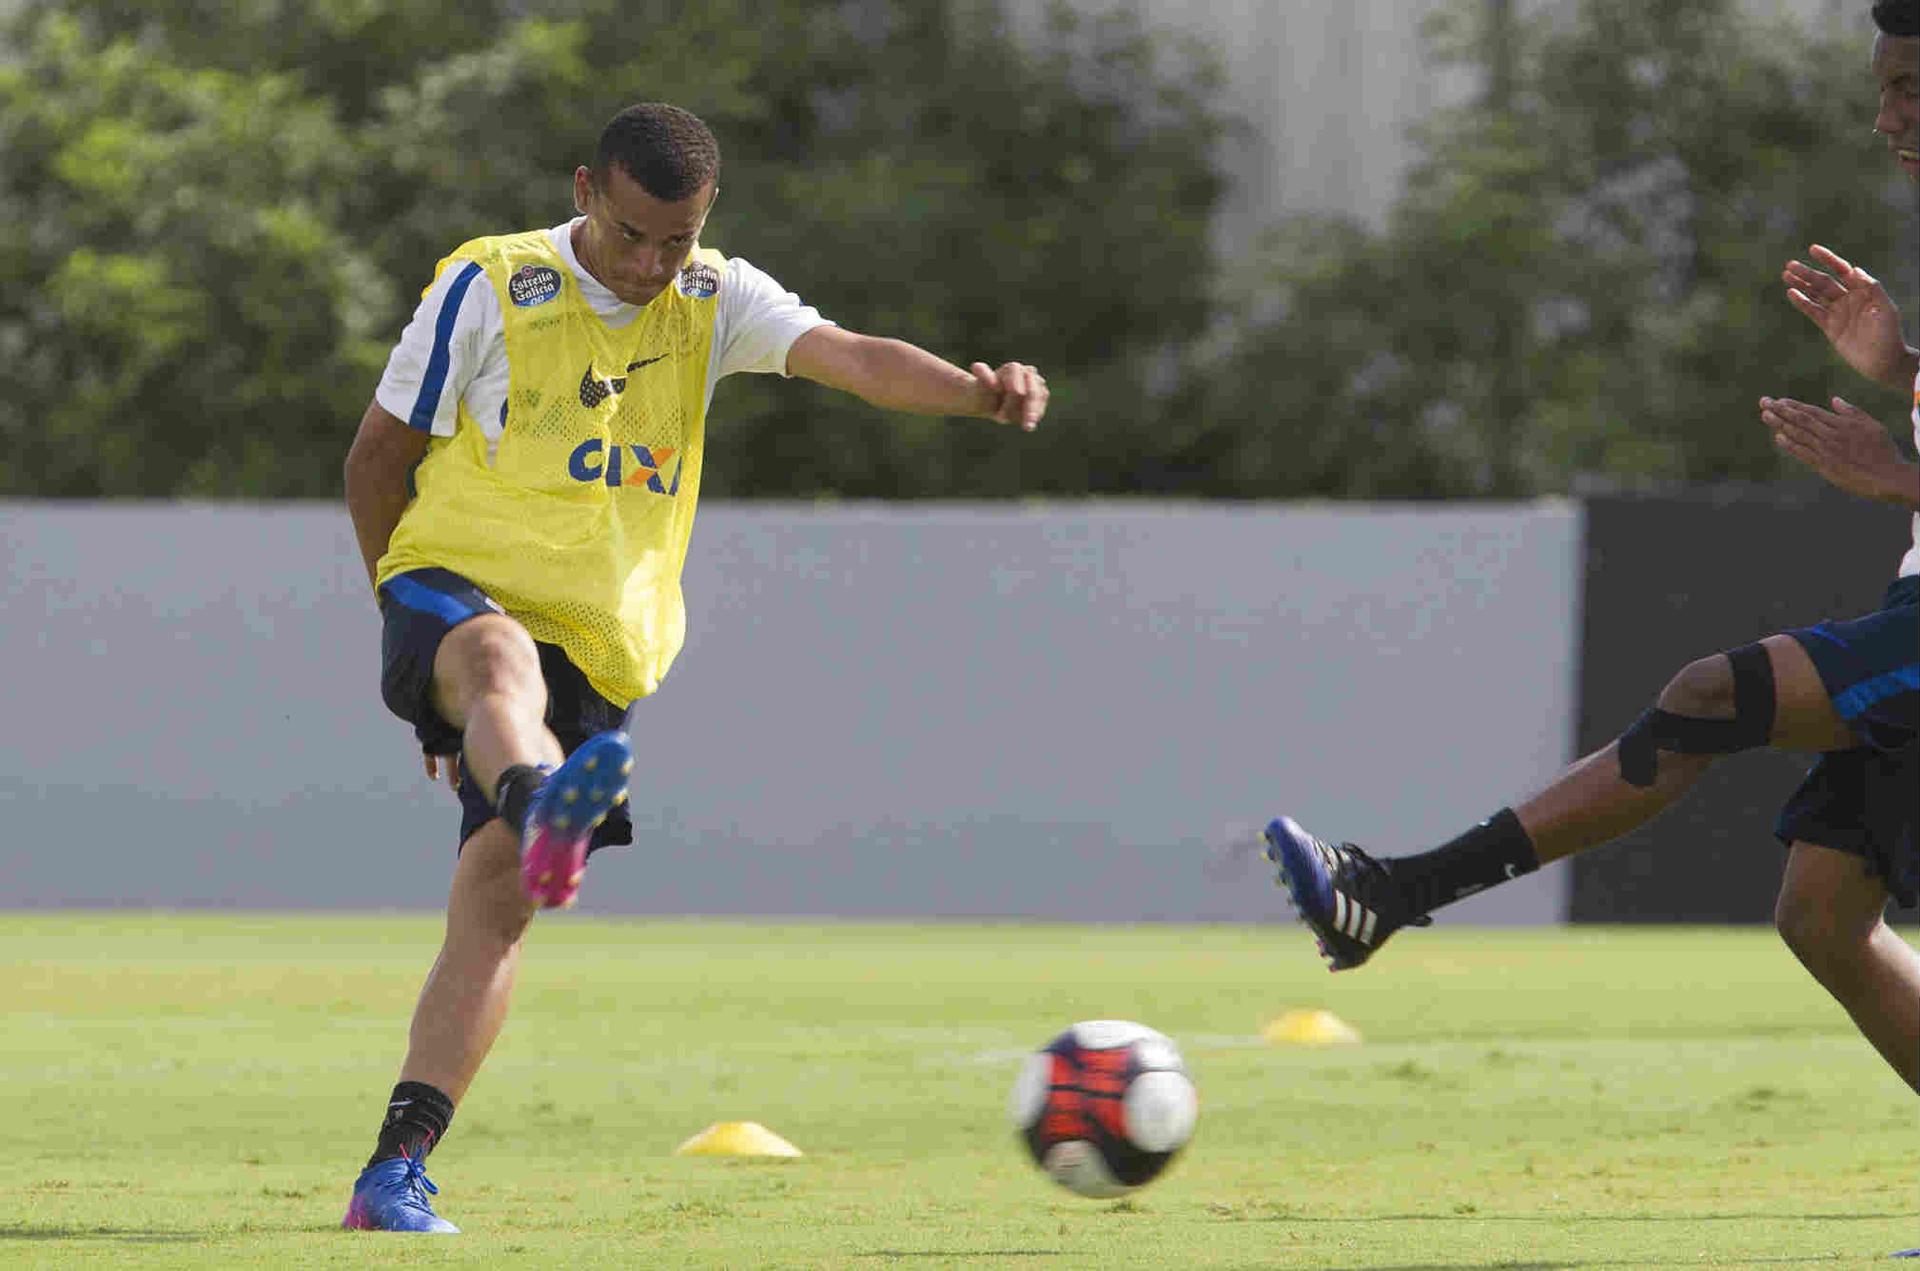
x,y
514,792
417,1118
1491,852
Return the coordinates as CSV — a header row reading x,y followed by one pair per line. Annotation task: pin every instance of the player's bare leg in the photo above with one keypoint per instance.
x,y
464,1002
1765,694
1831,913
1592,802
455,1023
487,683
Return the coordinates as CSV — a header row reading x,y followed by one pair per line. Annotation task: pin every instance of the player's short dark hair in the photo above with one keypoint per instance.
x,y
1897,17
664,148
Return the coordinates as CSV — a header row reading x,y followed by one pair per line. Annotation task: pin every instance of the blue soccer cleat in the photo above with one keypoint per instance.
x,y
1908,1253
1349,899
569,805
392,1195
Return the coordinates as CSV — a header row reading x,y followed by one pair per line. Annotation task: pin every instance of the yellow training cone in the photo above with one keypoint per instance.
x,y
1310,1028
736,1138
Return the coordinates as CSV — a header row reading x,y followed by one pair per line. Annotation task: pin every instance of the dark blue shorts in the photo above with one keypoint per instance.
x,y
417,609
1866,801
1871,667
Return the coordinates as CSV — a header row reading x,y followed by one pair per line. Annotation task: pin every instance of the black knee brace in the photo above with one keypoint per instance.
x,y
1752,723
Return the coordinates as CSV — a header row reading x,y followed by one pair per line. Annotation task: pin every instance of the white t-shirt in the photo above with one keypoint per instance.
x,y
1910,563
756,324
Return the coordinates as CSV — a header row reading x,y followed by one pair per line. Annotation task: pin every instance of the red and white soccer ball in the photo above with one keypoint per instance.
x,y
1105,1106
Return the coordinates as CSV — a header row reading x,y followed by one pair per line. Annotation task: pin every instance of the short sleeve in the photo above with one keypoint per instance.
x,y
758,322
443,347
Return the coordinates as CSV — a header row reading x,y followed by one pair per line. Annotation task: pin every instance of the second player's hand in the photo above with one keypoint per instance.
x,y
451,764
1019,393
1847,447
1854,312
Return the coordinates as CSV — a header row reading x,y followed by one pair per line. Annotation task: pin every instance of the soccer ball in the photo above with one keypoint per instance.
x,y
1105,1106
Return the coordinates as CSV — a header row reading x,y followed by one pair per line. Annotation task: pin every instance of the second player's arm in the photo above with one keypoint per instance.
x,y
383,455
1846,447
895,375
1856,315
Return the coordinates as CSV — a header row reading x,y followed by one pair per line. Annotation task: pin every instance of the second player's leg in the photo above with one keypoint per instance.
x,y
1593,801
1757,695
1831,913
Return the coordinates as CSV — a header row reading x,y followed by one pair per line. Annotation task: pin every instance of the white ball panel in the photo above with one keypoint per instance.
x,y
1029,1096
1158,1052
1105,1034
1160,1110
1078,1168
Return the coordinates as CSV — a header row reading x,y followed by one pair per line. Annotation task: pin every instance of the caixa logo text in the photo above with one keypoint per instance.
x,y
616,465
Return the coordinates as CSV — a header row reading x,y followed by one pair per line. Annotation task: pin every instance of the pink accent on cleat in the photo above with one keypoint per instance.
x,y
553,853
551,864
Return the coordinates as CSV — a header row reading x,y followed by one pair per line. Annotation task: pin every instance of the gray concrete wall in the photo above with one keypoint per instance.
x,y
1056,711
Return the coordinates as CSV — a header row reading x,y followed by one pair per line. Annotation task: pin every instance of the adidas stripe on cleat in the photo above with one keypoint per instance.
x,y
569,805
1349,899
1354,919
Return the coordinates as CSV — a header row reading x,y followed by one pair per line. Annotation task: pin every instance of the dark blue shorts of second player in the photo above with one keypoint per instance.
x,y
418,609
1866,800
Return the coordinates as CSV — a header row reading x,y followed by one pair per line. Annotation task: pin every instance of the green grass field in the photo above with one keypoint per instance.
x,y
199,1091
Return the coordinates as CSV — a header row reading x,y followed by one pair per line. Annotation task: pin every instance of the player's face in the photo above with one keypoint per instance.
x,y
1896,64
634,243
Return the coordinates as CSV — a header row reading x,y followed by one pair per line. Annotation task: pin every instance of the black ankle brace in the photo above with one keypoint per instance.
x,y
417,1118
513,793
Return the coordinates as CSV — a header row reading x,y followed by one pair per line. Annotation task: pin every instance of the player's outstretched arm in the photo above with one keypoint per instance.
x,y
1847,447
1856,315
384,451
895,375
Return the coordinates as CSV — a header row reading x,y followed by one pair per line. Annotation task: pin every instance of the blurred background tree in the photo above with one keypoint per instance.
x,y
1580,284
218,217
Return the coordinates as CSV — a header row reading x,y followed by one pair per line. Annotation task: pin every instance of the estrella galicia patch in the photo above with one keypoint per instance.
x,y
698,281
533,285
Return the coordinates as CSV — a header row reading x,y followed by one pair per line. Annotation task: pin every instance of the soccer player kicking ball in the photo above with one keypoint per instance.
x,y
523,488
1849,689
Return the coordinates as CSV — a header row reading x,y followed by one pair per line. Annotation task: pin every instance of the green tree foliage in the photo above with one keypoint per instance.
x,y
217,217
193,308
1580,283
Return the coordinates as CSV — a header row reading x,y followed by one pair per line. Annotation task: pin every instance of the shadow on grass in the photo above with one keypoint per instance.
x,y
970,1254
1711,1261
1770,1216
964,1253
1596,1263
125,1235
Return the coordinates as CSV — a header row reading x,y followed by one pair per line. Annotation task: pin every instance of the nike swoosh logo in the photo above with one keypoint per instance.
x,y
594,391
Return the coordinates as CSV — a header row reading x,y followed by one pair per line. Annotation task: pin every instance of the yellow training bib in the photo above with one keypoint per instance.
x,y
577,519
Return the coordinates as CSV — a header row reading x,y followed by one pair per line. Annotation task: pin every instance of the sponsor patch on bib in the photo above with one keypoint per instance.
x,y
698,281
533,285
